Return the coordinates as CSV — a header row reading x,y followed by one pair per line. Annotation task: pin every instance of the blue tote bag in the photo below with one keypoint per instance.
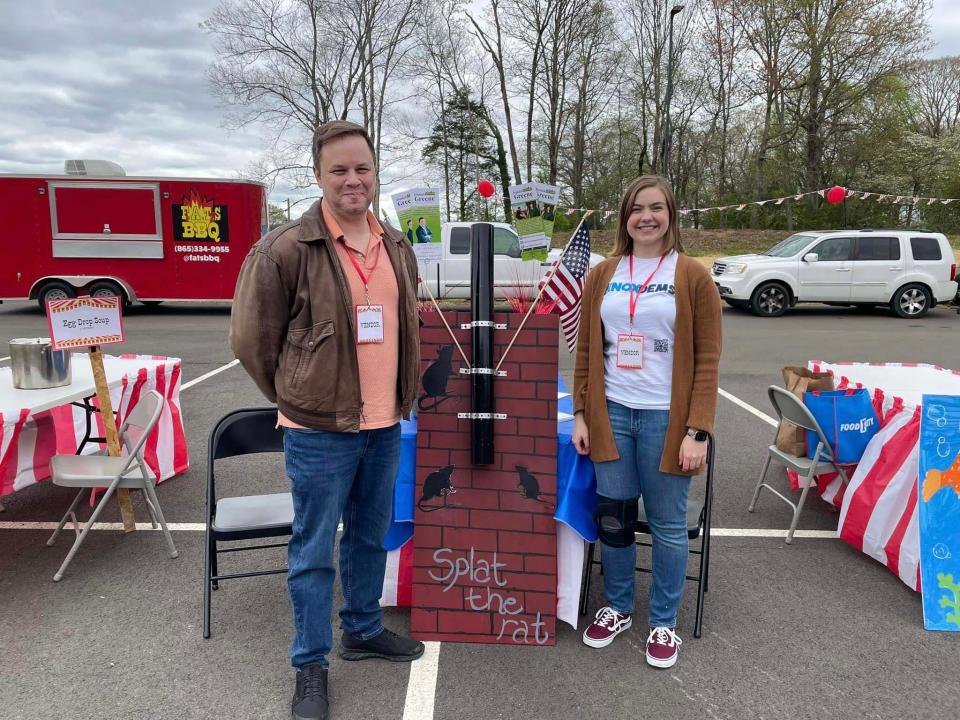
x,y
848,420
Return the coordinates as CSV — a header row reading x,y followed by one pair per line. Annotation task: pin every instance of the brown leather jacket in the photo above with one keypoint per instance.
x,y
292,324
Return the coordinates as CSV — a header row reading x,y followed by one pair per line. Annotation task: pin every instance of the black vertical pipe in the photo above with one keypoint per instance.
x,y
481,310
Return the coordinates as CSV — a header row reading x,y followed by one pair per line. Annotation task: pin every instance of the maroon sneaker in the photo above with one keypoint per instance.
x,y
662,647
608,624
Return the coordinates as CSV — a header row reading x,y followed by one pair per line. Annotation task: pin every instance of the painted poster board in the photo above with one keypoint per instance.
x,y
939,505
485,539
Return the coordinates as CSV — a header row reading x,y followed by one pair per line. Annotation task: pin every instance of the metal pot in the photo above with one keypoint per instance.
x,y
37,366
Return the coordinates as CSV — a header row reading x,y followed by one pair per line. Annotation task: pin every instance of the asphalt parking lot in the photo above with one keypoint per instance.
x,y
812,630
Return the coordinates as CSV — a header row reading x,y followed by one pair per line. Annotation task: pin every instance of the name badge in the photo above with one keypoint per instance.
x,y
630,352
369,324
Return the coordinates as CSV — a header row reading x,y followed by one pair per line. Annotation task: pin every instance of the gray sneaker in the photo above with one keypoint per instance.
x,y
310,697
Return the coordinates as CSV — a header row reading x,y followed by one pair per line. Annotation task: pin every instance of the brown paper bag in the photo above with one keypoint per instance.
x,y
798,380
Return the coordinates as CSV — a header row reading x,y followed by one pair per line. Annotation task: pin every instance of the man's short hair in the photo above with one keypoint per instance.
x,y
335,129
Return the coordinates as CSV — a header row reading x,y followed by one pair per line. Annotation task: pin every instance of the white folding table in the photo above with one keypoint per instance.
x,y
80,392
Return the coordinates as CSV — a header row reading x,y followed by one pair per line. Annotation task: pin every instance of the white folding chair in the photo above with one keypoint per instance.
x,y
129,471
789,407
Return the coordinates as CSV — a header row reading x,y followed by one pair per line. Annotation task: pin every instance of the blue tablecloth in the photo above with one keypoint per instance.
x,y
576,483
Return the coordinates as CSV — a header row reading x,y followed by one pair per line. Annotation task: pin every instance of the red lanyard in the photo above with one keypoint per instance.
x,y
643,288
365,279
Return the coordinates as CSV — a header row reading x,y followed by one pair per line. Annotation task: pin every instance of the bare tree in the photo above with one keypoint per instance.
x,y
595,69
767,25
291,65
723,44
490,36
436,70
384,45
646,34
850,49
561,44
530,36
934,108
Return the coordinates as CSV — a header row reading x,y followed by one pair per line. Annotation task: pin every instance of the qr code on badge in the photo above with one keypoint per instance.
x,y
661,346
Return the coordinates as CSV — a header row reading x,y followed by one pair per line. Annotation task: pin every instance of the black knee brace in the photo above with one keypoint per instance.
x,y
616,521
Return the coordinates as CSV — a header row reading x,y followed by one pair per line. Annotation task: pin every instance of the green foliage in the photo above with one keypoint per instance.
x,y
462,138
945,582
818,93
562,222
277,215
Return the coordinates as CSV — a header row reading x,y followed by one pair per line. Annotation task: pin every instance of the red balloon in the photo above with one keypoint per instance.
x,y
836,195
485,188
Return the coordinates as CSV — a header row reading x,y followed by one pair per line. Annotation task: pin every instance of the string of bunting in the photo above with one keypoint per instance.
x,y
893,199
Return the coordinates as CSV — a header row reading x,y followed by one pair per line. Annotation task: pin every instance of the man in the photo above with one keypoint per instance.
x,y
410,231
424,234
325,322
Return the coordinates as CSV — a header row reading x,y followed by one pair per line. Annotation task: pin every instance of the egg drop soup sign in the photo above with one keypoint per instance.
x,y
84,322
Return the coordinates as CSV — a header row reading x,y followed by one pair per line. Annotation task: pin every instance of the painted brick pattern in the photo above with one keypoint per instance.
x,y
485,566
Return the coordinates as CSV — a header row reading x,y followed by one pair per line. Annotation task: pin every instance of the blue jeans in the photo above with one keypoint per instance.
x,y
639,435
334,475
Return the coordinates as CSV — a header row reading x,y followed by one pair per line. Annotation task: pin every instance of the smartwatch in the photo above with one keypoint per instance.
x,y
698,435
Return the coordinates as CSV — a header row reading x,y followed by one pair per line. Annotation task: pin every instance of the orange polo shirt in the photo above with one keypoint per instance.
x,y
379,362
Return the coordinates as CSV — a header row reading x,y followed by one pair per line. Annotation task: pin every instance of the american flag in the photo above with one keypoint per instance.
x,y
565,285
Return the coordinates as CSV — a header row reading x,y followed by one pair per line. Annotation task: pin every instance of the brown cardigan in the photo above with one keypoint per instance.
x,y
696,360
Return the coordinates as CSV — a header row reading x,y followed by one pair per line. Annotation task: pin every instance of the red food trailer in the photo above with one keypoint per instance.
x,y
147,239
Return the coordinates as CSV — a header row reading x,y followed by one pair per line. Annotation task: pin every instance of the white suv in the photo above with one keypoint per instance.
x,y
908,270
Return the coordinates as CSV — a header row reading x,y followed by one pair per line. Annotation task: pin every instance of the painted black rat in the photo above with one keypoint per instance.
x,y
529,487
435,379
439,483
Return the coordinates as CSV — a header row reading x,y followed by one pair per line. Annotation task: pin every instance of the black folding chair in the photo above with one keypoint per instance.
x,y
250,517
698,525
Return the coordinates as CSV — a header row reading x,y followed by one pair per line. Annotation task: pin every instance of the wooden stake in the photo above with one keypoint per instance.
x,y
553,269
113,437
440,312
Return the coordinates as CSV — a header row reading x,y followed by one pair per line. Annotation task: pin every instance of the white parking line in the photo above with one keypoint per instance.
x,y
174,527
4,358
422,685
200,527
208,375
746,406
771,533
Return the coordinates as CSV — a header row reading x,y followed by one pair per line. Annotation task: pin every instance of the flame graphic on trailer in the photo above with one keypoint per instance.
x,y
200,218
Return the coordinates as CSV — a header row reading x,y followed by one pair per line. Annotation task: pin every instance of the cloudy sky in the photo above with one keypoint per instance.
x,y
124,80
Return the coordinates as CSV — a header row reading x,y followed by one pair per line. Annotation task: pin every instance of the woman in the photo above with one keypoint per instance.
x,y
645,394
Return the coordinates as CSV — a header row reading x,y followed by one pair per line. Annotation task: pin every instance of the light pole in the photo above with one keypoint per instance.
x,y
667,140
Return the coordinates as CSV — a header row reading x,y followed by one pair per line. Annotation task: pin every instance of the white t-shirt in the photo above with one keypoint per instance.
x,y
655,317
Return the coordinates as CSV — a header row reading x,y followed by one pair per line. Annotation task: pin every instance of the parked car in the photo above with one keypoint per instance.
x,y
511,276
907,270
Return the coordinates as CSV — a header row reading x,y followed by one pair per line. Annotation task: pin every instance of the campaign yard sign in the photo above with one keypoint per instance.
x,y
418,212
534,210
84,322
